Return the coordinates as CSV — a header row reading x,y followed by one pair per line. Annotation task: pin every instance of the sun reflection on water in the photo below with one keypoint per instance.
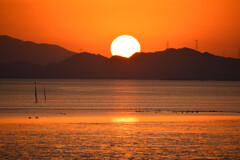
x,y
124,119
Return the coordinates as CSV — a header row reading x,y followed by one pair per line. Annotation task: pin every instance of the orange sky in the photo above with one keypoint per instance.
x,y
91,25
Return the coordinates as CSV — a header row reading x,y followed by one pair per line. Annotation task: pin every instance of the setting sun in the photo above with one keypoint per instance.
x,y
125,46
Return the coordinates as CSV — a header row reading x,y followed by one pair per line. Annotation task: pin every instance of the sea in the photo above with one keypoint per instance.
x,y
119,119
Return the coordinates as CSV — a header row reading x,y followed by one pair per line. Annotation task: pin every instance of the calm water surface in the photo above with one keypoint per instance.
x,y
120,119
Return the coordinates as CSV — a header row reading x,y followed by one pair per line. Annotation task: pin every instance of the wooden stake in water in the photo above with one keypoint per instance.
x,y
45,95
36,99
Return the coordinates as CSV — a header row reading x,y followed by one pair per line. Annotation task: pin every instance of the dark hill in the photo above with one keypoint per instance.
x,y
171,64
12,50
20,70
84,65
184,64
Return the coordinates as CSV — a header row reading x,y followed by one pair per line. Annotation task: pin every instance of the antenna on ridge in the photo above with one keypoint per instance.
x,y
239,53
196,45
167,45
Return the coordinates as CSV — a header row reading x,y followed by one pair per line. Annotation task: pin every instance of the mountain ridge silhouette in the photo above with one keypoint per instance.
x,y
12,50
170,64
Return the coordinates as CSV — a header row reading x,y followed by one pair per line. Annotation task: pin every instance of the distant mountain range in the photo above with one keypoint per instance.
x,y
171,64
12,50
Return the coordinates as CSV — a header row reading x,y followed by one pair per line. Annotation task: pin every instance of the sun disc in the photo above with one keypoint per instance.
x,y
125,46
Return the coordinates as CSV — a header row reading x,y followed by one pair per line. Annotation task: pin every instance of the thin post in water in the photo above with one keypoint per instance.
x,y
36,99
45,95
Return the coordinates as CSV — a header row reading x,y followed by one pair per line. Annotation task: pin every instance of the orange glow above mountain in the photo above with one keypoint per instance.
x,y
93,25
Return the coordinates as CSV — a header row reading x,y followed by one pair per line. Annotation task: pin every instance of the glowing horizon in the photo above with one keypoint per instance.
x,y
91,25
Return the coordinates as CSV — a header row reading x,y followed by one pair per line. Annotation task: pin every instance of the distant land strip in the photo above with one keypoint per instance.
x,y
20,59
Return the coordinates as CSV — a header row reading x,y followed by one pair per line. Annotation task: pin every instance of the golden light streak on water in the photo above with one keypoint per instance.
x,y
125,119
